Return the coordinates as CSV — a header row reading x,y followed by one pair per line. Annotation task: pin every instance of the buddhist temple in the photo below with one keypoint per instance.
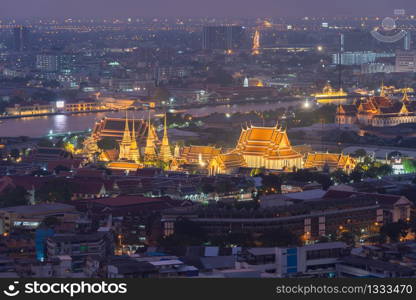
x,y
331,162
226,164
165,151
378,111
199,155
267,147
114,128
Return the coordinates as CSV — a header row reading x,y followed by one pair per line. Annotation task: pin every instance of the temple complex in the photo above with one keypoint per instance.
x,y
378,111
114,128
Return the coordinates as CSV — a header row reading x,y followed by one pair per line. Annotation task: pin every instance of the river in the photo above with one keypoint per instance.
x,y
41,126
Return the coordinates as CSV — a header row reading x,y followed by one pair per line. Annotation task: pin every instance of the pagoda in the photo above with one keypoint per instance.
x,y
125,142
150,149
134,153
165,151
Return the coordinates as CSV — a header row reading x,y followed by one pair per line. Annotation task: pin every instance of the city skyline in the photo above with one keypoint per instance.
x,y
214,8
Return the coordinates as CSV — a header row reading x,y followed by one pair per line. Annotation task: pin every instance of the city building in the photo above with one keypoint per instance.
x,y
21,35
223,37
358,58
307,218
80,246
29,217
406,61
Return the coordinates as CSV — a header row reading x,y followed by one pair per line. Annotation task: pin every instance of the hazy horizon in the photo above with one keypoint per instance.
x,y
199,8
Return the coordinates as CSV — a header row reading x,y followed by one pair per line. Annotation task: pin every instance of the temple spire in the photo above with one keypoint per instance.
x,y
382,91
125,142
405,96
134,154
149,150
165,151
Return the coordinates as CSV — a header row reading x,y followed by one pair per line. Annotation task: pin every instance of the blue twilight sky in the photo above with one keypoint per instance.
x,y
223,8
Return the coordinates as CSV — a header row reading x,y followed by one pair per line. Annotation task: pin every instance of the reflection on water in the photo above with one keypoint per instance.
x,y
41,126
60,123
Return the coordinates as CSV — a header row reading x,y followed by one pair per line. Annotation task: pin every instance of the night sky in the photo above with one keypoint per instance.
x,y
221,8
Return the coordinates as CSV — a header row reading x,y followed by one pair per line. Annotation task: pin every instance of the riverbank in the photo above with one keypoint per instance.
x,y
40,126
175,107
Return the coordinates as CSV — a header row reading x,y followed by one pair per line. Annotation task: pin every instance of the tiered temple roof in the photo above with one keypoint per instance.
x,y
195,154
269,142
331,160
114,128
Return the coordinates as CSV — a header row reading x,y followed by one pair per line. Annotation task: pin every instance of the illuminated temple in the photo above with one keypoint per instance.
x,y
330,162
378,111
138,143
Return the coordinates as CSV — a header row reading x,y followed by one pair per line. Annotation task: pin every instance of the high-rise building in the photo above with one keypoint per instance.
x,y
47,62
223,37
357,58
21,38
407,41
406,61
51,62
255,50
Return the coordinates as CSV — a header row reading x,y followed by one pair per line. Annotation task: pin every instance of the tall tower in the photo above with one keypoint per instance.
x,y
125,142
134,154
165,151
255,50
150,149
407,41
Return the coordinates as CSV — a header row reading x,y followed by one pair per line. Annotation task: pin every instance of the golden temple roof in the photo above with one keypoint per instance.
x,y
270,142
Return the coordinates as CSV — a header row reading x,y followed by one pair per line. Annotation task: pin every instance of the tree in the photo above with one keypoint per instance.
x,y
324,180
409,165
395,231
207,188
220,76
186,233
359,153
271,184
14,197
45,143
339,176
356,176
348,237
161,94
51,221
54,191
279,238
60,168
15,153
